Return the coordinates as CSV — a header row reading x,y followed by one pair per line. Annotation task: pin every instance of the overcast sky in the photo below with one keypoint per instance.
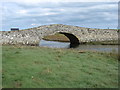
x,y
84,14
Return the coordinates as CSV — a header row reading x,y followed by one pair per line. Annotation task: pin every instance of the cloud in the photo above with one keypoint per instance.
x,y
33,24
22,12
104,6
57,1
85,14
50,13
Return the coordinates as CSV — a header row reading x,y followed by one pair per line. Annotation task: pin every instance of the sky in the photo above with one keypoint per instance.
x,y
25,14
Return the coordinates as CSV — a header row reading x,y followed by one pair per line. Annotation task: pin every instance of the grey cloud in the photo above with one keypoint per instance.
x,y
72,13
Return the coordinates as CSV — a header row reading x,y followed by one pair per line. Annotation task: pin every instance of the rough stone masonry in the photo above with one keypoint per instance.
x,y
32,36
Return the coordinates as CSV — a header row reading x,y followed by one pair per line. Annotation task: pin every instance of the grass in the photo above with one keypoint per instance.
x,y
112,42
57,37
38,67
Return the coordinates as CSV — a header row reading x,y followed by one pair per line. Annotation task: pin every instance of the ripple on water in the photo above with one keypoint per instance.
x,y
103,48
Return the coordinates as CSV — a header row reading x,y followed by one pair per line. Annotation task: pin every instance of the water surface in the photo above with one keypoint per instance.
x,y
102,48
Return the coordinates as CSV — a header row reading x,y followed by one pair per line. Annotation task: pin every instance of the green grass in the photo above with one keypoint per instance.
x,y
38,67
57,37
112,42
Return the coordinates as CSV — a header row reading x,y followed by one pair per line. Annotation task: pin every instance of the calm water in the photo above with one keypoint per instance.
x,y
103,48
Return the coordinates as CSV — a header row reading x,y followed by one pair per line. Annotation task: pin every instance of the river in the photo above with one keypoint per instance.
x,y
101,48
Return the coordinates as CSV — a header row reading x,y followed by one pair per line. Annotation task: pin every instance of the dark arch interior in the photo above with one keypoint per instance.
x,y
73,39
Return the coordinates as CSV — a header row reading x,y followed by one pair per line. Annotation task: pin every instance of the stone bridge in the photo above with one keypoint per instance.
x,y
76,35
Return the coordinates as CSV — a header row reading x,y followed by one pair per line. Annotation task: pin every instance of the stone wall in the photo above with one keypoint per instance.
x,y
32,36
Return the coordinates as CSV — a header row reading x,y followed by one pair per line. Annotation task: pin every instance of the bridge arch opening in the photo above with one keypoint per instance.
x,y
74,41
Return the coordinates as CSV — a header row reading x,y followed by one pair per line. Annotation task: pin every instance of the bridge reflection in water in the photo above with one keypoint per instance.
x,y
74,41
54,44
73,45
102,48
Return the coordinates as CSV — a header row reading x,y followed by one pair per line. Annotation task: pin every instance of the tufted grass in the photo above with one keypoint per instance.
x,y
38,67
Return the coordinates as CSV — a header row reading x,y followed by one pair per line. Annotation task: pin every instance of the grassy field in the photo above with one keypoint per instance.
x,y
38,67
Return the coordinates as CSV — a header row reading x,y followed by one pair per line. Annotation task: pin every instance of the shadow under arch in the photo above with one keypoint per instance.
x,y
74,41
